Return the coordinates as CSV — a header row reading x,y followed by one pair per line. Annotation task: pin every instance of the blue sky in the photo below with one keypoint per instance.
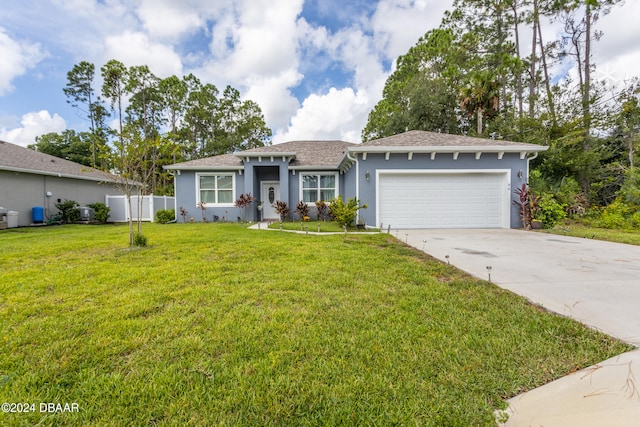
x,y
316,67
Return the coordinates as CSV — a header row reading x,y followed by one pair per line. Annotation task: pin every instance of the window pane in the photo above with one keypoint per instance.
x,y
309,196
327,195
207,182
207,196
225,182
327,181
225,196
309,181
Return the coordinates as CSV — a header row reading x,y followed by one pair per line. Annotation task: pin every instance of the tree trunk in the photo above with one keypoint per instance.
x,y
130,220
479,128
552,108
586,93
516,23
532,68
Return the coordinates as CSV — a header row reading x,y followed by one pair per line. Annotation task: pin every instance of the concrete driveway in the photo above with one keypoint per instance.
x,y
594,282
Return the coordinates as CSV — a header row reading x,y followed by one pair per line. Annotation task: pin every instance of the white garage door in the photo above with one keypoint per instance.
x,y
443,200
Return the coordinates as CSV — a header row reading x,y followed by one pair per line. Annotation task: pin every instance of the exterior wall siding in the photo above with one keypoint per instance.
x,y
376,162
21,192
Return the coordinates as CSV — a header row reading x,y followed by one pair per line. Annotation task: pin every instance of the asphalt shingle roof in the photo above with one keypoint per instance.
x,y
419,138
307,153
17,158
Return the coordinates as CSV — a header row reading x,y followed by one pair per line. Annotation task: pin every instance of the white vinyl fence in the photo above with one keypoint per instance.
x,y
150,205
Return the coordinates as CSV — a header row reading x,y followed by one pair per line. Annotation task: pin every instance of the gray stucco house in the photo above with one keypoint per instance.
x,y
29,178
415,179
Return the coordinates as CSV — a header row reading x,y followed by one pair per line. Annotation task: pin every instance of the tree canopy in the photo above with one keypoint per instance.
x,y
472,76
173,119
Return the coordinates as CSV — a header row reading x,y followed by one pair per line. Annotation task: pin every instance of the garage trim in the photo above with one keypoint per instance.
x,y
505,209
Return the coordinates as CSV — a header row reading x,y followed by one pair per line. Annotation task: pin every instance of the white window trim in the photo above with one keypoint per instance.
x,y
301,182
233,188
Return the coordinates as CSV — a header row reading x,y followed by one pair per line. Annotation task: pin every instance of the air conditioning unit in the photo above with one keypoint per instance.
x,y
87,214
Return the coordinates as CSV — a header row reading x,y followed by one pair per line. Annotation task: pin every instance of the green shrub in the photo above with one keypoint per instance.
x,y
345,213
69,211
549,211
619,215
139,239
101,212
164,216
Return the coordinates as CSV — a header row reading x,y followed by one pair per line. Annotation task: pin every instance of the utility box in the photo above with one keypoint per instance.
x,y
12,219
87,214
3,218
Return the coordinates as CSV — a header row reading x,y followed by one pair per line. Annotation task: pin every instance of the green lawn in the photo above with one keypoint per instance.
x,y
215,324
578,229
317,227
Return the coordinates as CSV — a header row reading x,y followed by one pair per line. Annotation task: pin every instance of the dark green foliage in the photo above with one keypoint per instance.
x,y
164,216
101,212
345,213
69,211
139,239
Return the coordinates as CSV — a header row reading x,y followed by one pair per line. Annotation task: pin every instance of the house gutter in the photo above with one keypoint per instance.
x,y
355,160
58,174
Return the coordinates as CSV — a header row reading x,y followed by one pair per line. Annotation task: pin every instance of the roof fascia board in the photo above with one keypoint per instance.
x,y
204,168
56,174
450,149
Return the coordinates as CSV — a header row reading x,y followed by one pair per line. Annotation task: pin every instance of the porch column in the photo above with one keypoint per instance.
x,y
284,183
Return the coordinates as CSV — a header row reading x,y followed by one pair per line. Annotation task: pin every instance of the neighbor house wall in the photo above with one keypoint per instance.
x,y
367,188
21,192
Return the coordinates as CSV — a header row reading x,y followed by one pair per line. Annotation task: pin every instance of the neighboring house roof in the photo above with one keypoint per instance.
x,y
432,142
20,159
299,154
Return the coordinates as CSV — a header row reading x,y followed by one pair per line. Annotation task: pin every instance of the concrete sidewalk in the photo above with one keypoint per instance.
x,y
594,282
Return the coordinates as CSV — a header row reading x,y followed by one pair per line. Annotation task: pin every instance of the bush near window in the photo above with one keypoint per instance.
x,y
164,216
345,213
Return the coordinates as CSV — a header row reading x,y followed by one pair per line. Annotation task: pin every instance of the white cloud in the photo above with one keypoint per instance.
x,y
135,48
339,114
33,124
169,19
274,97
397,24
17,57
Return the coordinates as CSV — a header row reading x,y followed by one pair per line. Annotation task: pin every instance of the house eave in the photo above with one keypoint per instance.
x,y
449,149
57,174
203,168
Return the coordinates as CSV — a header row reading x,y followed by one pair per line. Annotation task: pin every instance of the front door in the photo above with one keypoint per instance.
x,y
270,193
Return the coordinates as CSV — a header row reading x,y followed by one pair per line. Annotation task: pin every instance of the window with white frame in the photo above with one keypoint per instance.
x,y
319,186
215,189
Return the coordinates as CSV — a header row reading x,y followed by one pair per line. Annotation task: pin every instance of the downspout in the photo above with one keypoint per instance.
x,y
355,160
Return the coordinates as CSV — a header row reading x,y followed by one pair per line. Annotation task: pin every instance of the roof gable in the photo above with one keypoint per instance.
x,y
21,159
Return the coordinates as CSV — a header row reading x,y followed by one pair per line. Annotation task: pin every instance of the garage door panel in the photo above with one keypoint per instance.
x,y
442,200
